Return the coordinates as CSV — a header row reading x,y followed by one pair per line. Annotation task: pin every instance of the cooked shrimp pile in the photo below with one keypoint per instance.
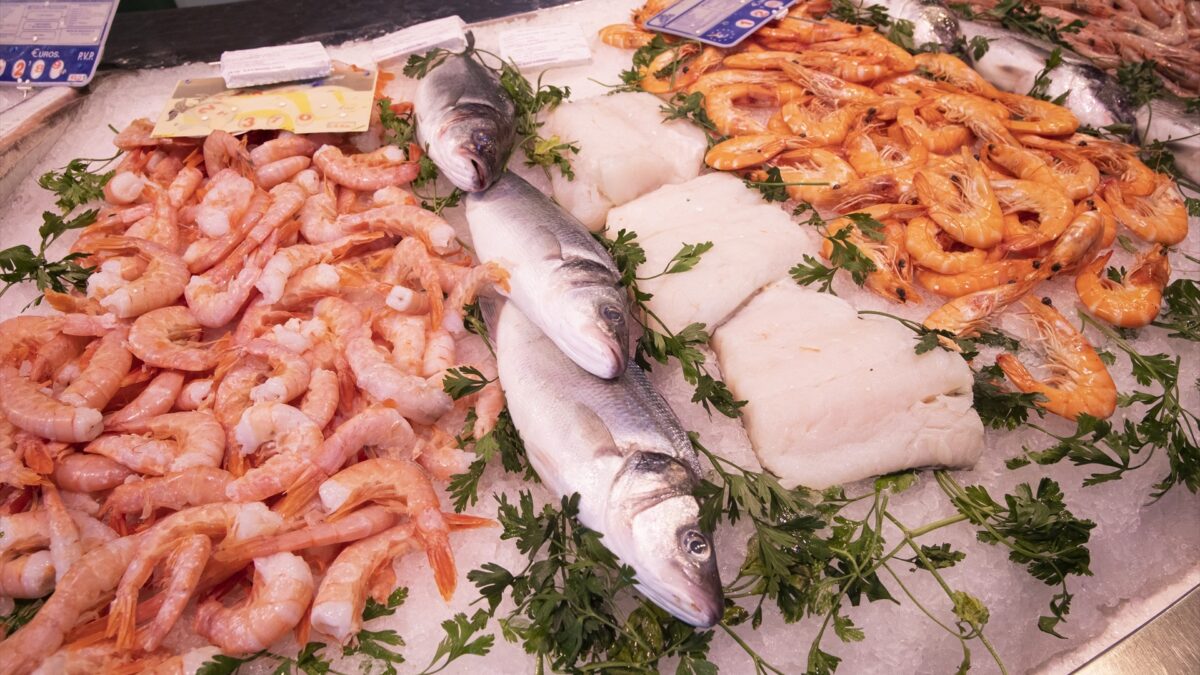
x,y
245,413
973,194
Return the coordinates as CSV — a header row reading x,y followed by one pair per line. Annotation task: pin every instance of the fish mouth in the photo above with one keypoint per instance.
x,y
701,607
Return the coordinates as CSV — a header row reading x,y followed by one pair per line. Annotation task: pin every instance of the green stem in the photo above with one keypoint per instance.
x,y
760,665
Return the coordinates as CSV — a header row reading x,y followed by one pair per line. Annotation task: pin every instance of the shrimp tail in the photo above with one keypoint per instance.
x,y
466,521
301,492
122,620
441,561
1017,372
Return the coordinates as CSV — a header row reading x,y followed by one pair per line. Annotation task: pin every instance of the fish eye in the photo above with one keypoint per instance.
x,y
696,543
612,314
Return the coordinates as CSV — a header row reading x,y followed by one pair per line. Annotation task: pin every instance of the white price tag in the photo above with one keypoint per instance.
x,y
446,33
268,65
545,46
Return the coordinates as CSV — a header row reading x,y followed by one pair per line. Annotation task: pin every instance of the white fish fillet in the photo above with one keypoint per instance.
x,y
754,243
625,151
835,398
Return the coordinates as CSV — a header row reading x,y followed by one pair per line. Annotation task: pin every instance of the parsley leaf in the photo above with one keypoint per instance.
x,y
464,381
458,642
75,184
374,610
1182,313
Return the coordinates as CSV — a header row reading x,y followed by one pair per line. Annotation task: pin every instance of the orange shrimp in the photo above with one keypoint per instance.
x,y
1079,381
1132,302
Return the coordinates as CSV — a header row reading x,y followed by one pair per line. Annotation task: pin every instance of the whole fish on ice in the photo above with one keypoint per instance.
x,y
933,23
1013,63
564,281
619,446
465,121
1167,121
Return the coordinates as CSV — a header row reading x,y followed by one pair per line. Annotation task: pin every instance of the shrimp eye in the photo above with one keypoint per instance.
x,y
696,544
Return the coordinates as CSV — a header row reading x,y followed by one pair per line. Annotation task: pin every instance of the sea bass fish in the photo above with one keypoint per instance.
x,y
1167,121
620,447
1013,64
465,122
933,23
564,281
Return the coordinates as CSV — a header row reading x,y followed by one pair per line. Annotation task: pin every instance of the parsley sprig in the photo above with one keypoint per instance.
x,y
75,185
658,342
1182,313
845,253
1042,81
1023,17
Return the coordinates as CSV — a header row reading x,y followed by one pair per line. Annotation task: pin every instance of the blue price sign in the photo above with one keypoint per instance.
x,y
722,23
51,43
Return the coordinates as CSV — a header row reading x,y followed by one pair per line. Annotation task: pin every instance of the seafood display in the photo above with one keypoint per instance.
x,y
753,244
1161,32
789,341
227,355
947,184
626,149
465,122
615,443
565,350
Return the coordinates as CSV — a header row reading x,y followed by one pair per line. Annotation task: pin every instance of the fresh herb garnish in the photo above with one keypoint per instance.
x,y
374,610
1182,313
1141,81
660,343
464,381
76,184
1023,17
503,441
22,613
691,107
458,641
1042,81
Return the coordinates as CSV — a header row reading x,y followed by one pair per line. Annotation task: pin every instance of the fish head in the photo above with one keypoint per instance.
x,y
472,145
593,320
654,527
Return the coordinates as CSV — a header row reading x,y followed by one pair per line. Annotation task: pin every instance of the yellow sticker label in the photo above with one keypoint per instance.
x,y
339,103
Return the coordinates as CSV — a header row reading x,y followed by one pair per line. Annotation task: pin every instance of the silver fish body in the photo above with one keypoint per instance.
x,y
1013,63
465,121
564,281
933,23
620,447
1167,121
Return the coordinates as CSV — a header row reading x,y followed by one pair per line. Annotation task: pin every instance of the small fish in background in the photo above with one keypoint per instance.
x,y
619,446
1167,121
465,121
933,23
560,277
1013,64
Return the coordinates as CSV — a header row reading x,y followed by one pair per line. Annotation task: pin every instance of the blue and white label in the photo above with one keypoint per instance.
x,y
721,23
51,43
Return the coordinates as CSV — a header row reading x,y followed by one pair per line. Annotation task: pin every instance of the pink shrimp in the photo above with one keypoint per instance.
x,y
279,597
185,564
181,189
290,375
88,473
375,426
124,187
390,480
321,400
160,285
288,261
286,145
407,335
297,442
368,171
97,383
161,226
362,523
86,585
405,221
167,338
156,399
414,397
27,408
222,149
269,175
216,296
196,486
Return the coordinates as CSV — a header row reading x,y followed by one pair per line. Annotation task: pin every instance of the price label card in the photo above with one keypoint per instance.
x,y
444,33
545,46
270,65
721,23
340,103
50,43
